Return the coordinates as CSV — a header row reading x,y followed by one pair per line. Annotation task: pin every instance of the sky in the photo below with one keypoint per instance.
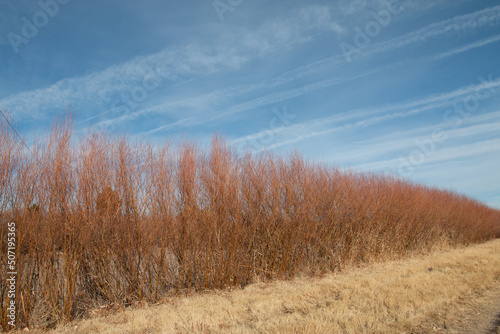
x,y
409,87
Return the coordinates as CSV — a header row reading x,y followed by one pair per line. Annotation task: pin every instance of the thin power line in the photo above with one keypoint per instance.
x,y
17,134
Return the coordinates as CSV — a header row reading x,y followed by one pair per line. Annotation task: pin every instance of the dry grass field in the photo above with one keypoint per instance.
x,y
454,291
105,221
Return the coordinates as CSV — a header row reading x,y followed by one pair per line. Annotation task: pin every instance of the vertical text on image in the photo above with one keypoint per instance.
x,y
11,273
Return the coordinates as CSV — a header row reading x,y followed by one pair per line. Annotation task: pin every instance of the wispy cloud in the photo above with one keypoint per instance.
x,y
405,141
467,47
446,153
181,64
469,22
356,7
458,24
322,126
174,64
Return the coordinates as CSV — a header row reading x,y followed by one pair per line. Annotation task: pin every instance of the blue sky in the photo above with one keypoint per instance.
x,y
410,87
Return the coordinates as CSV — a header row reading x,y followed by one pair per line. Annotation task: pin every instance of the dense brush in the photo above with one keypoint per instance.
x,y
107,221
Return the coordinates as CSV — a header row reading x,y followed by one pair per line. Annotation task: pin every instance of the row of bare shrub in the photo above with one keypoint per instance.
x,y
104,220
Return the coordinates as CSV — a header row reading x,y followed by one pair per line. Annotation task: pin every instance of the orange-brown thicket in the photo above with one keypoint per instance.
x,y
107,221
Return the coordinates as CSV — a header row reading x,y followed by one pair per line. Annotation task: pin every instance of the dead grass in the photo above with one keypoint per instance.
x,y
423,294
106,221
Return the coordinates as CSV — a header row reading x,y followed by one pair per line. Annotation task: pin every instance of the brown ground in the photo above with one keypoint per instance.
x,y
454,291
